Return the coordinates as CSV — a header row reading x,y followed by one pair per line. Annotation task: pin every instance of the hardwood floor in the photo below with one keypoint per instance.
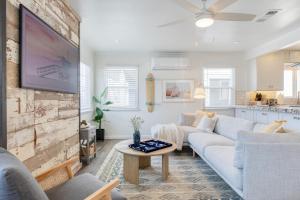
x,y
103,149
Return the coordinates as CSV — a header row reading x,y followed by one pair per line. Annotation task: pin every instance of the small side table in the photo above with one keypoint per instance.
x,y
88,141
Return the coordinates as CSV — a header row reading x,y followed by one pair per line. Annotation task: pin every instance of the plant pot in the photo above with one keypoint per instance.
x,y
100,133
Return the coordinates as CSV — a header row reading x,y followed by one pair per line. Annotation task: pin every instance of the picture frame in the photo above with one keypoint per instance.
x,y
178,91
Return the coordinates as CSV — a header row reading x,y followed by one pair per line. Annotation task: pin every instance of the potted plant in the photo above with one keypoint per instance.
x,y
136,124
101,104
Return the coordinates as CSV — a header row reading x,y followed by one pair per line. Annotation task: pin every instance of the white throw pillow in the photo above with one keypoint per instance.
x,y
207,124
200,114
244,137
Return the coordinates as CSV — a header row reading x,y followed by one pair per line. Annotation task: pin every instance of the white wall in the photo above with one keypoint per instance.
x,y
117,122
87,56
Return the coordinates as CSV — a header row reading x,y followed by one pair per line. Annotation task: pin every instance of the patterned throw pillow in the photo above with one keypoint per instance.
x,y
275,127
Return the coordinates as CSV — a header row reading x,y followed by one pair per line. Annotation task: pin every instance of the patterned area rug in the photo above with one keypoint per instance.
x,y
190,179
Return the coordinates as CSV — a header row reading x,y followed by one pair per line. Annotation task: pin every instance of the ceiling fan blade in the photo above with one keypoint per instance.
x,y
220,5
234,17
171,23
188,6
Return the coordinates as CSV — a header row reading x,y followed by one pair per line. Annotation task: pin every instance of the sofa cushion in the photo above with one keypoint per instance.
x,y
188,130
230,126
207,124
16,181
258,127
244,137
200,114
187,119
221,158
201,140
79,188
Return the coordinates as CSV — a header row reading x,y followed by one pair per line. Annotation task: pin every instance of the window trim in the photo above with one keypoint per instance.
x,y
233,88
90,108
137,107
294,83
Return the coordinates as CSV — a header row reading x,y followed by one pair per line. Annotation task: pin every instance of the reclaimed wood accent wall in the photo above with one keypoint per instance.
x,y
42,127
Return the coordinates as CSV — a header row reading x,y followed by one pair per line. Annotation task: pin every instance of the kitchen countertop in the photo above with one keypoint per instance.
x,y
279,108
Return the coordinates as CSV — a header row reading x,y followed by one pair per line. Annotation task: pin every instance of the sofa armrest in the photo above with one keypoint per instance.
x,y
104,193
271,171
65,165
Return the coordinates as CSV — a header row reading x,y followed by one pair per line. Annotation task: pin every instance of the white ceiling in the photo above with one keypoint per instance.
x,y
131,25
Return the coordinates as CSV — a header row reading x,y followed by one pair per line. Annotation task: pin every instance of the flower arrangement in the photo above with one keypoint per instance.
x,y
136,123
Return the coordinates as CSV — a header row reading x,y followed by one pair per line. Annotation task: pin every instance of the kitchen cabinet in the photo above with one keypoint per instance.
x,y
266,72
292,119
244,113
258,116
265,117
270,71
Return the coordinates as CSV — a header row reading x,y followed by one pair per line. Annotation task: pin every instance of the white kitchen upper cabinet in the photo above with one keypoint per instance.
x,y
293,121
266,73
270,72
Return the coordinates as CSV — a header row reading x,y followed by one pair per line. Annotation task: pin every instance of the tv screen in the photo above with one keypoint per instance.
x,y
48,60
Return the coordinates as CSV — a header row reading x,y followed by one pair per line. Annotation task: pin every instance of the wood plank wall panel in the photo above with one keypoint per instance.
x,y
43,127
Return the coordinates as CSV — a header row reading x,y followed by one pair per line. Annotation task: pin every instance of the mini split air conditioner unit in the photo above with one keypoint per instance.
x,y
170,61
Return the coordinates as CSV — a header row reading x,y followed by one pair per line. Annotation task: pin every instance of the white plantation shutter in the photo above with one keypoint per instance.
x,y
122,84
219,87
85,88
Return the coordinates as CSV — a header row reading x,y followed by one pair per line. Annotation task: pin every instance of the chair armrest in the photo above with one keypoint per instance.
x,y
271,171
65,165
104,193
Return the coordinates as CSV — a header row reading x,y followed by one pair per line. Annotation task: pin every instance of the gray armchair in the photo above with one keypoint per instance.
x,y
17,183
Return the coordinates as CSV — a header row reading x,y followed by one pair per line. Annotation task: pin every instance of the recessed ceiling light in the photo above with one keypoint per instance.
x,y
117,41
236,42
196,44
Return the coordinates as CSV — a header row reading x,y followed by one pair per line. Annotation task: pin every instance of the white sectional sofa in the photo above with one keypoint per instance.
x,y
257,166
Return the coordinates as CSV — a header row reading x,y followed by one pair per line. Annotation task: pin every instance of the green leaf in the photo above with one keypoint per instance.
x,y
96,118
108,103
96,100
99,112
104,93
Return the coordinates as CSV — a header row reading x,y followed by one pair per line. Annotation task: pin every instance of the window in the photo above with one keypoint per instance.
x,y
122,87
85,88
291,82
219,87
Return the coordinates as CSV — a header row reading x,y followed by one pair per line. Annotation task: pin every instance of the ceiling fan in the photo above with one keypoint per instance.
x,y
205,17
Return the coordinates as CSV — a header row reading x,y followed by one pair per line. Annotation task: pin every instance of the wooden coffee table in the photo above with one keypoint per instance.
x,y
135,160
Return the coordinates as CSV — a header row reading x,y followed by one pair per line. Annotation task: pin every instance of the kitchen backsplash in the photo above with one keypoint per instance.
x,y
244,97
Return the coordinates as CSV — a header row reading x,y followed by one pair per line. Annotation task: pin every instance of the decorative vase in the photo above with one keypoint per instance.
x,y
136,138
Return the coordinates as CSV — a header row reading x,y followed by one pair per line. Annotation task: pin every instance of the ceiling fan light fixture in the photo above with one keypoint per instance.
x,y
204,21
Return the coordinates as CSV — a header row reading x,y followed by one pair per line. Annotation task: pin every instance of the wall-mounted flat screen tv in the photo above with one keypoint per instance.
x,y
48,60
